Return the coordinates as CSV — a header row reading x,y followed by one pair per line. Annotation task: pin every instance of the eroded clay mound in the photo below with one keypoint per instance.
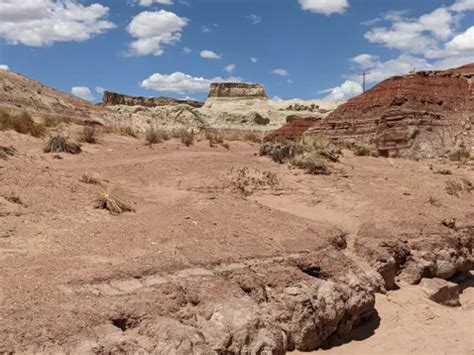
x,y
272,305
294,129
112,99
425,114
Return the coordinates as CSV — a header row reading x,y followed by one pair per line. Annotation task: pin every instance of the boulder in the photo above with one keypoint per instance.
x,y
441,291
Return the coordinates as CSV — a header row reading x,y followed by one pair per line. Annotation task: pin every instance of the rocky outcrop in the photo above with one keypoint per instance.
x,y
441,291
237,90
112,99
294,129
425,114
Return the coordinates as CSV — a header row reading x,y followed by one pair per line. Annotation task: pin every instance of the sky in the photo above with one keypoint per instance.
x,y
304,49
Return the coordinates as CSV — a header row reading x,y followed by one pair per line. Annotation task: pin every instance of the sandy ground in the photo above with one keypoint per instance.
x,y
55,244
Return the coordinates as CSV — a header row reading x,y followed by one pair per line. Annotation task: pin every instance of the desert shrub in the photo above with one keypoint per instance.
x,y
91,178
311,162
21,123
152,136
5,152
60,143
55,120
214,138
248,181
186,137
109,199
89,134
456,186
462,155
127,131
253,137
365,151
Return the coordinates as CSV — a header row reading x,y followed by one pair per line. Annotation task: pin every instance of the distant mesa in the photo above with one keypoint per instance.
x,y
113,99
237,90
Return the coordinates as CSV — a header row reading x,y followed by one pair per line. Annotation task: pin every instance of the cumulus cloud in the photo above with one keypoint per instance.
x,y
230,68
181,83
254,19
462,42
326,7
83,92
253,59
100,90
346,90
151,2
280,72
153,30
462,5
208,54
39,23
187,50
4,67
365,60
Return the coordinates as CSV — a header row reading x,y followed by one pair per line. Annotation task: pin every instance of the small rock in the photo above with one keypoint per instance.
x,y
441,291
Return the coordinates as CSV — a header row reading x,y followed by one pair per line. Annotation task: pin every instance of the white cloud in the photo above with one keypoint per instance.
x,y
100,90
205,29
326,7
463,41
365,60
181,83
153,30
253,59
187,50
230,68
463,5
39,23
4,67
83,92
150,2
208,54
280,72
345,91
255,19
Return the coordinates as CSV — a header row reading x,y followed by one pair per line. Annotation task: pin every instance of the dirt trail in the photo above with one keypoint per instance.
x,y
77,278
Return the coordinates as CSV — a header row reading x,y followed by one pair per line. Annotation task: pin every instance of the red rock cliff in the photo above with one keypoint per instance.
x,y
425,114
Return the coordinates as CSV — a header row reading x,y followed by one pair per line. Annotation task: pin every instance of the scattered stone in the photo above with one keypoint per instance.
x,y
441,291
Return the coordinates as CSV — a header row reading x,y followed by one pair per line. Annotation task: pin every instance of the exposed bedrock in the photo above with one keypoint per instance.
x,y
112,99
257,306
414,256
425,114
237,90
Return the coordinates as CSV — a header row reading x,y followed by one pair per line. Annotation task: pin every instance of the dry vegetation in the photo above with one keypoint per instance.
x,y
110,199
365,151
5,152
56,120
246,181
155,136
21,123
60,143
311,162
127,131
89,134
91,178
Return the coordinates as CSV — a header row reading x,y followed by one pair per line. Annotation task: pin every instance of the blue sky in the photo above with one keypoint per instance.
x,y
301,48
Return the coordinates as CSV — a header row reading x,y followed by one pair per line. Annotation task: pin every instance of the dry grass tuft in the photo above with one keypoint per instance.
x,y
434,201
186,137
21,123
5,152
60,143
457,186
89,134
365,151
127,131
247,182
109,199
91,178
155,136
55,120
